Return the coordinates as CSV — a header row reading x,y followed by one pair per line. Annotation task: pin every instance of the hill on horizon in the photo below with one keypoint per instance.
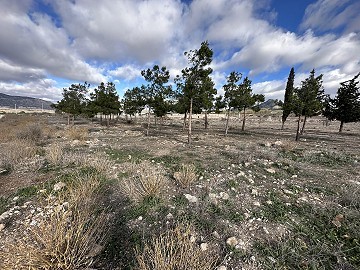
x,y
23,102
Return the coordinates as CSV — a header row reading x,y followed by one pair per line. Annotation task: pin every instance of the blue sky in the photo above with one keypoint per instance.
x,y
46,45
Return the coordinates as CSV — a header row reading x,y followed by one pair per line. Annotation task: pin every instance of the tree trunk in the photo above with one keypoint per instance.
x,y
148,124
282,125
108,121
303,127
227,122
298,129
341,126
155,120
100,118
73,119
190,116
206,120
243,124
68,116
184,124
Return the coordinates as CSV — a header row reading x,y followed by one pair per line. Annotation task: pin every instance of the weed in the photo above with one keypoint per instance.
x,y
54,154
186,175
77,133
328,158
124,155
174,250
167,161
31,132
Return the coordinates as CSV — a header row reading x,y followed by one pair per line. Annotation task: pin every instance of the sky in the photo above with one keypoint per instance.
x,y
46,45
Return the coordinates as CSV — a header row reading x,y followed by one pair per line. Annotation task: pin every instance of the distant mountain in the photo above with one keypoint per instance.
x,y
24,102
270,104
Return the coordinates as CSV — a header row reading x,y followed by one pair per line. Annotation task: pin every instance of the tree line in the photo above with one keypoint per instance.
x,y
193,91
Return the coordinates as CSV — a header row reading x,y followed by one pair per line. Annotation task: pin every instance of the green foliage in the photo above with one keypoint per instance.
x,y
345,107
219,103
134,100
289,92
74,99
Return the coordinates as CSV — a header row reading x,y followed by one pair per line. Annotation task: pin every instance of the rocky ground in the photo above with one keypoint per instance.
x,y
259,200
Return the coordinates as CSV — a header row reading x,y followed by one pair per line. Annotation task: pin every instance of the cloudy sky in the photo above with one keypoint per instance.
x,y
45,45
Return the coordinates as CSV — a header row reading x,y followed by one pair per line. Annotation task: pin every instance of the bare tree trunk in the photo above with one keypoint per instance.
x,y
73,119
68,118
282,125
148,124
101,118
190,116
341,126
155,120
303,127
206,120
227,122
107,120
184,124
298,129
243,123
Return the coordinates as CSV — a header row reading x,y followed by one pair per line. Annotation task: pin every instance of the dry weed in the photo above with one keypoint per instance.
x,y
145,180
77,133
174,250
17,150
186,175
31,132
54,154
69,236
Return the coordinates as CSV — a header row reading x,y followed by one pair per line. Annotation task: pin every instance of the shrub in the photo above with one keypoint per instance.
x,y
77,133
31,132
54,154
186,175
174,250
145,180
17,150
69,236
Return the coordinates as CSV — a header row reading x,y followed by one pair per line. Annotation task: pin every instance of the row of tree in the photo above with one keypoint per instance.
x,y
194,92
310,99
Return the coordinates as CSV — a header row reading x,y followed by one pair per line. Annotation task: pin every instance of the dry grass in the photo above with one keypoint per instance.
x,y
54,154
186,175
174,250
31,132
77,133
144,180
69,236
17,150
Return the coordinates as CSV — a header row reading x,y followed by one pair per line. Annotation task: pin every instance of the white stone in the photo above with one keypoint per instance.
x,y
15,198
140,218
204,246
240,173
191,198
224,195
254,192
2,226
221,267
232,241
270,170
256,203
278,143
169,216
58,186
216,234
294,176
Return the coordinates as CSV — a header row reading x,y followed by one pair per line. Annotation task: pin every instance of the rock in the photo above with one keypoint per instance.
x,y
191,198
213,198
294,176
4,215
232,241
256,203
221,267
278,143
58,186
140,218
289,192
192,239
240,173
169,216
216,234
16,198
203,246
224,195
268,144
254,192
271,170
2,226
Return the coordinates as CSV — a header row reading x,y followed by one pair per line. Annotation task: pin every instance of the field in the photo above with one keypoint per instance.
x,y
97,197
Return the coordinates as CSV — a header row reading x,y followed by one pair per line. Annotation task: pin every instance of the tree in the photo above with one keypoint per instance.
x,y
219,104
133,101
105,100
311,94
156,93
244,98
345,107
74,100
208,93
231,94
289,92
193,79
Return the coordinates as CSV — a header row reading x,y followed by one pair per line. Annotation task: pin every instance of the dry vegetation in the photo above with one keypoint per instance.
x,y
91,197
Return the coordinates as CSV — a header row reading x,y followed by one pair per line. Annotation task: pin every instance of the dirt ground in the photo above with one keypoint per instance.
x,y
279,199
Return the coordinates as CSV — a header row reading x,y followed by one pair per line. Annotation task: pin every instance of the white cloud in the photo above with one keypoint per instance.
x,y
127,72
333,14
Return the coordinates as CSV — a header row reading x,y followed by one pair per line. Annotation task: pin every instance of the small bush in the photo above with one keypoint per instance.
x,y
17,150
69,236
54,154
77,133
31,132
174,250
186,175
145,180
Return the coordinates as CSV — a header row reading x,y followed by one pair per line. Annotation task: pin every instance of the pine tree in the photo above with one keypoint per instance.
x,y
74,100
289,92
345,107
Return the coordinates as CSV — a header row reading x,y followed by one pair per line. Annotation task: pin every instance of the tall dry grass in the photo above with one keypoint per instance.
x,y
77,133
186,175
144,180
69,235
174,250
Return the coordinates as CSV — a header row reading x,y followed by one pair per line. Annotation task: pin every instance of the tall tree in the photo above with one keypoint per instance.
x,y
133,101
208,93
73,101
345,107
157,94
289,92
231,89
311,94
219,104
193,78
105,100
